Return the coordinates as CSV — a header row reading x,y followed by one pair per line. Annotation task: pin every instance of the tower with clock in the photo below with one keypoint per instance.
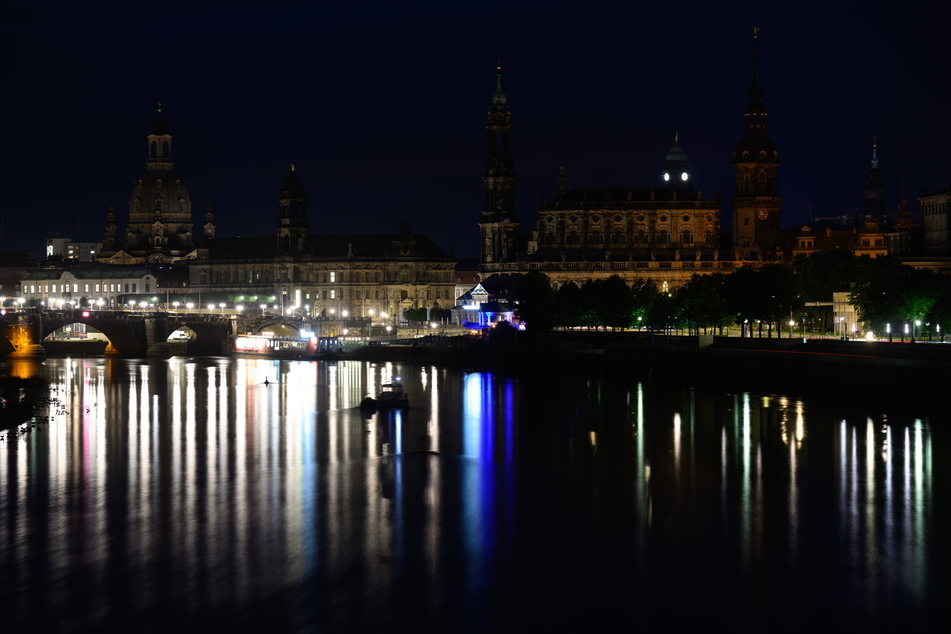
x,y
756,203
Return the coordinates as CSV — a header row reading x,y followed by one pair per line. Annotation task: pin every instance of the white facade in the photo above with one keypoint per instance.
x,y
93,287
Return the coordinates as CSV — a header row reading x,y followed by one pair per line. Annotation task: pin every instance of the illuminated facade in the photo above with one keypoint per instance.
x,y
159,228
345,275
94,286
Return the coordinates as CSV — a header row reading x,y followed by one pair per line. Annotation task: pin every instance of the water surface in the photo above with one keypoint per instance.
x,y
247,494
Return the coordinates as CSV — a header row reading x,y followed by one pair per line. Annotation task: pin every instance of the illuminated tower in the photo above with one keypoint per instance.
x,y
499,226
160,223
676,167
875,188
756,203
293,227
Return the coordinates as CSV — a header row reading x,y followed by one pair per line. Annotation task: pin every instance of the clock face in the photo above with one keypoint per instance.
x,y
763,214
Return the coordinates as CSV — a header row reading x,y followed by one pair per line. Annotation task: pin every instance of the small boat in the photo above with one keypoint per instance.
x,y
392,396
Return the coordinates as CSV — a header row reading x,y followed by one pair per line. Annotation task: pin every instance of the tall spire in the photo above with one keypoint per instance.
x,y
499,99
874,153
755,111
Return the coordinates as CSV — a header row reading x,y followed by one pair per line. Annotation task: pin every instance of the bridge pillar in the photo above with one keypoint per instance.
x,y
25,336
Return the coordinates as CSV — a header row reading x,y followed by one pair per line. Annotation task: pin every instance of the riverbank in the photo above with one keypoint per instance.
x,y
874,370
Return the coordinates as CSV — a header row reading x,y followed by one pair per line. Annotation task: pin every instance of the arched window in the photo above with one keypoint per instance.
x,y
165,151
572,237
152,149
686,237
641,236
663,237
595,237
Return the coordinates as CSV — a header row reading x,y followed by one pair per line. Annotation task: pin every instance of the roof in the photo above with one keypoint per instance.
x,y
339,246
631,196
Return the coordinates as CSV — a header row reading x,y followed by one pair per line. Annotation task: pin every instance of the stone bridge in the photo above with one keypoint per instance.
x,y
130,333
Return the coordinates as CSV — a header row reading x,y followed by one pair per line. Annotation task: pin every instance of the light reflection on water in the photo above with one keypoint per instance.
x,y
255,493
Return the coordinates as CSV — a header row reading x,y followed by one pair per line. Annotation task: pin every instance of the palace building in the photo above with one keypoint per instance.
x,y
666,232
358,276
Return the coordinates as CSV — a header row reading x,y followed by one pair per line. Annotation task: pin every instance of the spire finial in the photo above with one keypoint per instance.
x,y
160,107
292,167
676,137
874,152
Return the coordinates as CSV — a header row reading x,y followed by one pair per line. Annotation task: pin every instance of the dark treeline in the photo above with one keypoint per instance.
x,y
760,300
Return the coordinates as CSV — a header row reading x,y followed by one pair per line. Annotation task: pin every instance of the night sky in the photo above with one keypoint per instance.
x,y
381,105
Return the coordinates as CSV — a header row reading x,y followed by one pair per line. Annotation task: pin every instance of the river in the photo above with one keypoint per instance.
x,y
247,494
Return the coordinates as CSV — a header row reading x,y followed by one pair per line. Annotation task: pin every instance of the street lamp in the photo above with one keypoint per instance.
x,y
189,306
222,307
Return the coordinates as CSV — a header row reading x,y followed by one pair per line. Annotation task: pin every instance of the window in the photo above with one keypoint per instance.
x,y
148,287
333,293
75,288
133,288
333,276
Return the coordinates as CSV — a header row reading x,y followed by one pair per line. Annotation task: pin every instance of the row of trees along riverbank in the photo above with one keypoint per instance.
x,y
883,291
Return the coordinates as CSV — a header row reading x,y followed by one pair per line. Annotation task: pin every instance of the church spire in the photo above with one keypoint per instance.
x,y
875,204
159,144
499,224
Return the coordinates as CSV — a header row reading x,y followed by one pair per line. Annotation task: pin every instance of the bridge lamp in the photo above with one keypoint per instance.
x,y
189,305
99,302
143,303
344,314
263,307
346,331
332,311
222,307
211,306
240,307
175,305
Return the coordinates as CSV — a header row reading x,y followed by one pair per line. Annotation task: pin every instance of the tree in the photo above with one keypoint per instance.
x,y
535,301
702,299
616,303
568,311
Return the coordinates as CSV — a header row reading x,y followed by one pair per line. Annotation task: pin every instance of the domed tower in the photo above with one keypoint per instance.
x,y
499,226
293,227
676,167
757,203
160,210
875,188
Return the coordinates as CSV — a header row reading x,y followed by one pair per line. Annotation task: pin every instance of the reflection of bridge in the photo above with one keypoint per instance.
x,y
131,333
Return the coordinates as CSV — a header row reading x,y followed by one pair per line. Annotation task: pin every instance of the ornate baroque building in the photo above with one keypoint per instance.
x,y
159,227
667,232
345,275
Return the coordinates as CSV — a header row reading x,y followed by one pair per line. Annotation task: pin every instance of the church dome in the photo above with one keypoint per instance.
x,y
162,191
753,149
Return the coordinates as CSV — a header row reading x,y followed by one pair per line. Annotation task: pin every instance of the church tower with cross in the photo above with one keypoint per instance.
x,y
499,226
160,225
756,202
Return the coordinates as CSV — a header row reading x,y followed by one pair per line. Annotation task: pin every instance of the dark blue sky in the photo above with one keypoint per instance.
x,y
381,105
